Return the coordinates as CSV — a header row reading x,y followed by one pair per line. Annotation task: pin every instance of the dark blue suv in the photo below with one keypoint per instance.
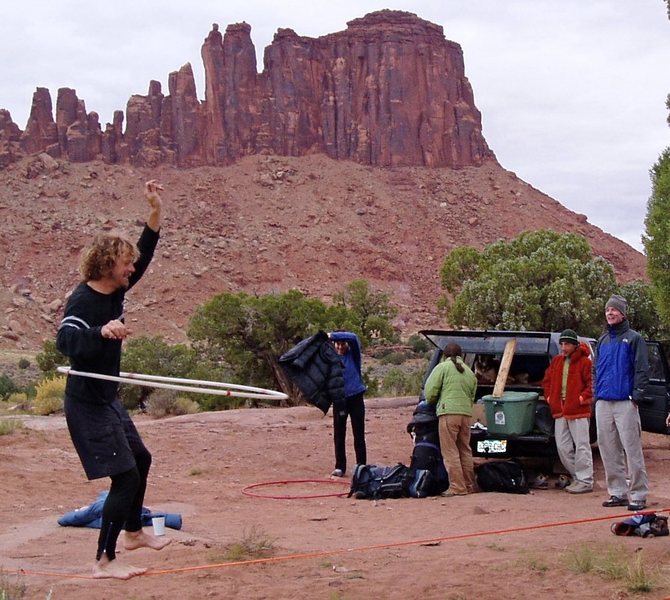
x,y
483,351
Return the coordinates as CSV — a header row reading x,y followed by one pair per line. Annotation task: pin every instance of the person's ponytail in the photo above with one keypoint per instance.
x,y
454,351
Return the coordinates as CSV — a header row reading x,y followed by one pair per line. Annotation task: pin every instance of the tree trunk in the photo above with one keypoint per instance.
x,y
294,395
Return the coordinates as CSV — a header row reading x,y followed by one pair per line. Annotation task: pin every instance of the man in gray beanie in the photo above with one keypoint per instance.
x,y
620,374
619,303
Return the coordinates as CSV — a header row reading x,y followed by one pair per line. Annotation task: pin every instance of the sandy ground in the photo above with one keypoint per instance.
x,y
485,545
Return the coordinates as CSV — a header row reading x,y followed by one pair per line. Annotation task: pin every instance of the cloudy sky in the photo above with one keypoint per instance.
x,y
572,92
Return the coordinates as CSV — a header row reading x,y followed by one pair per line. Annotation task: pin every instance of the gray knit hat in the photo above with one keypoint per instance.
x,y
618,302
570,336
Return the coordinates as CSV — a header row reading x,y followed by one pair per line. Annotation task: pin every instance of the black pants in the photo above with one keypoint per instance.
x,y
123,507
354,407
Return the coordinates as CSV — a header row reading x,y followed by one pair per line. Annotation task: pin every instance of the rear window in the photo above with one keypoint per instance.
x,y
524,370
656,370
485,342
483,352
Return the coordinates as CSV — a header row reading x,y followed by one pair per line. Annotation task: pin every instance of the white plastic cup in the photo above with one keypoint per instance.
x,y
158,525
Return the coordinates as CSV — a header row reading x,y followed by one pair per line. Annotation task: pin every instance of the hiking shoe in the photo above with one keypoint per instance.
x,y
637,505
615,501
563,482
451,494
337,473
579,487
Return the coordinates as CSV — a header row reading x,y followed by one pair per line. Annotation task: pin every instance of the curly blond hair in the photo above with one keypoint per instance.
x,y
99,257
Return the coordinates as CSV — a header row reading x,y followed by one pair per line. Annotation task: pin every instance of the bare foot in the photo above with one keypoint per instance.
x,y
140,539
106,568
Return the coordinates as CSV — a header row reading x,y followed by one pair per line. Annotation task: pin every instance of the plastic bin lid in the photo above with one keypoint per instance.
x,y
512,397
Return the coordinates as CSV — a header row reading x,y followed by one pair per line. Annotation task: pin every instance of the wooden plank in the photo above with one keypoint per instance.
x,y
505,365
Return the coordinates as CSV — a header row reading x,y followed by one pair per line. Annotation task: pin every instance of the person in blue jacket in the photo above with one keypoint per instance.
x,y
621,372
348,346
91,335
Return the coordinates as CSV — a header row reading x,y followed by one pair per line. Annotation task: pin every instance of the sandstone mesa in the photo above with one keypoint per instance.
x,y
358,154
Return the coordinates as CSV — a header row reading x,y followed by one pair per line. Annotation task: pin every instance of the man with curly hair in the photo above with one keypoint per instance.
x,y
103,434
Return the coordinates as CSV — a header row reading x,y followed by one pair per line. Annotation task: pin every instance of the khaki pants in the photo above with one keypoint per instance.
x,y
620,444
455,446
574,448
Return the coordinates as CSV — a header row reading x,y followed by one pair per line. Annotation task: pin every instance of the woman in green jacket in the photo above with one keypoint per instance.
x,y
452,384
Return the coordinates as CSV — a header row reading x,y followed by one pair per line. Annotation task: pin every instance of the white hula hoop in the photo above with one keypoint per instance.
x,y
199,386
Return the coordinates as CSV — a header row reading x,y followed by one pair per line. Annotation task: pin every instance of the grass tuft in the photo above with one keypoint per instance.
x,y
8,426
11,588
255,543
613,564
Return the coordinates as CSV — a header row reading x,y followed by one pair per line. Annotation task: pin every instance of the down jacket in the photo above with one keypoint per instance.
x,y
621,370
315,367
91,515
578,393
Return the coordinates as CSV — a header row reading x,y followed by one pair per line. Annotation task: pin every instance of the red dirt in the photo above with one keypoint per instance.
x,y
263,225
479,546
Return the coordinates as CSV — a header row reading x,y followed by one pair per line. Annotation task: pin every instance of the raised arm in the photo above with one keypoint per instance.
x,y
151,189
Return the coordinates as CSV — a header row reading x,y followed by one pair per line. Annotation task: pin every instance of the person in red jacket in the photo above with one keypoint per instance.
x,y
567,390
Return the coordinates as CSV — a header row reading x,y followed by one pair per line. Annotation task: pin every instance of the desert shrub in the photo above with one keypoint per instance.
x,y
419,344
8,426
369,310
402,383
394,358
7,386
640,577
582,559
29,390
528,283
11,588
163,403
49,396
211,402
383,352
613,565
18,401
185,406
206,371
50,358
24,363
154,356
255,543
371,382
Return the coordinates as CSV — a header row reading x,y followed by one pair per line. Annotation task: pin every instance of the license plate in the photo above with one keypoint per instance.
x,y
492,446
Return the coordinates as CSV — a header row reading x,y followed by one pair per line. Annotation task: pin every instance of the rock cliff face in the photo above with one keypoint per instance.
x,y
390,90
264,224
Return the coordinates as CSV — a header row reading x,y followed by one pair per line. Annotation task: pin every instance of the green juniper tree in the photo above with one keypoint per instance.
x,y
542,280
657,235
370,311
249,333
